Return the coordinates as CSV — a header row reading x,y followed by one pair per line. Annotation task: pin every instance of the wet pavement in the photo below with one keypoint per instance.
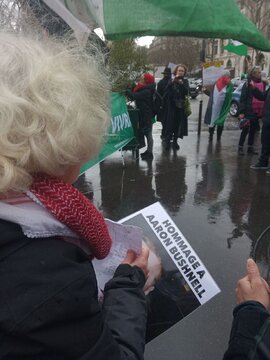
x,y
219,204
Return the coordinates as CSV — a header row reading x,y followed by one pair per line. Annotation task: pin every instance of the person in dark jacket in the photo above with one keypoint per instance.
x,y
262,163
251,109
143,93
250,333
175,118
54,113
161,89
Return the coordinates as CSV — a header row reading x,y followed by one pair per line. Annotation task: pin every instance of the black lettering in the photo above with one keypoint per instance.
x,y
191,276
182,246
186,269
200,293
173,250
150,217
187,252
167,242
196,265
201,273
192,259
154,223
176,237
163,235
182,262
159,228
166,223
195,282
178,256
171,229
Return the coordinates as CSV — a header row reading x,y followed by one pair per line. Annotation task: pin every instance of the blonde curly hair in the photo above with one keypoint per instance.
x,y
54,106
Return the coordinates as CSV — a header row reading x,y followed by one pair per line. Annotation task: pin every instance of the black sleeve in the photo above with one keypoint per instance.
x,y
259,95
125,311
185,87
249,318
139,95
243,99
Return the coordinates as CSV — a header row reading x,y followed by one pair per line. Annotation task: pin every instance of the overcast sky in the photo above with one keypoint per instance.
x,y
142,41
145,40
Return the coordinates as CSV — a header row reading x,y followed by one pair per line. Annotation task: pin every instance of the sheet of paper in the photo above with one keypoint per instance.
x,y
124,237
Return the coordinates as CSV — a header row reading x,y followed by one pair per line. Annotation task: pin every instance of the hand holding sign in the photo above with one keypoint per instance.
x,y
138,260
253,286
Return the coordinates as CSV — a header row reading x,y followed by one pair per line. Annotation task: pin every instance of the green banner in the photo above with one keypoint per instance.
x,y
120,132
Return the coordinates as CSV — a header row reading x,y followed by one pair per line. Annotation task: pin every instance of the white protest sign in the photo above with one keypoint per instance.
x,y
212,71
180,251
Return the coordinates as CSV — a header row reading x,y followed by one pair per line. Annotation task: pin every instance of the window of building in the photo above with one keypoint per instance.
x,y
221,46
215,47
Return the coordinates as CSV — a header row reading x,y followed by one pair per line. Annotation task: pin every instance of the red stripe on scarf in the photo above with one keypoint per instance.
x,y
73,209
138,87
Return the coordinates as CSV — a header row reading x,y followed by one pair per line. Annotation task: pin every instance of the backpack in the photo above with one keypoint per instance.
x,y
157,103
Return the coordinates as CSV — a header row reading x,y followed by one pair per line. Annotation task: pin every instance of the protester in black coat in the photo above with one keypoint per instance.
x,y
250,334
143,96
175,118
262,163
161,89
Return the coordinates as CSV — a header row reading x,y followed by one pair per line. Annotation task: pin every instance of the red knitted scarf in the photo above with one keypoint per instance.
x,y
73,209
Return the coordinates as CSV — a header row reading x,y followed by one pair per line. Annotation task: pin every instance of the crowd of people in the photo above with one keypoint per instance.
x,y
172,113
54,110
173,90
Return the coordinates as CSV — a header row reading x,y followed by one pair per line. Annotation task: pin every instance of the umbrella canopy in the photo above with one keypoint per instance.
x,y
121,19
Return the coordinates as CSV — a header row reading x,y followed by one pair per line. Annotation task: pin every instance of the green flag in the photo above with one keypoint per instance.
x,y
204,19
120,133
237,48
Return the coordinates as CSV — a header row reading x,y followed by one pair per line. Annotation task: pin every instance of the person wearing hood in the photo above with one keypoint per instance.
x,y
143,93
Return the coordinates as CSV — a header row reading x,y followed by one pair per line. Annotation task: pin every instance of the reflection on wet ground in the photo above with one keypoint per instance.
x,y
218,202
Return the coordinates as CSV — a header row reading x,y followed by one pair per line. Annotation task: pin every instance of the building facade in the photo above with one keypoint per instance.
x,y
259,12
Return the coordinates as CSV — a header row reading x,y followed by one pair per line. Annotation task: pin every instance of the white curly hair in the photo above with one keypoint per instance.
x,y
54,106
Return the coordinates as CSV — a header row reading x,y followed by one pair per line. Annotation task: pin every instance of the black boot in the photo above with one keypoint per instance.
x,y
211,133
219,132
251,150
240,150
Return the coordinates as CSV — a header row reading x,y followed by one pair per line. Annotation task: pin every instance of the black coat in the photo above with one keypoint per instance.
x,y
250,334
173,92
246,102
265,96
161,89
49,307
144,102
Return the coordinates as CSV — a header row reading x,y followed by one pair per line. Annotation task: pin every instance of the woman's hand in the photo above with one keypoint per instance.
x,y
141,260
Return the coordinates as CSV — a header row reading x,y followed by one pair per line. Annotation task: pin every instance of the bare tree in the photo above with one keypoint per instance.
x,y
258,12
175,49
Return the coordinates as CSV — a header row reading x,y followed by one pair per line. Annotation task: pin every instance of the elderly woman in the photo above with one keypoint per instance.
x,y
53,114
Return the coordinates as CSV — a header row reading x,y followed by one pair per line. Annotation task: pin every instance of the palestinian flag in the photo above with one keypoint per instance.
x,y
219,102
237,47
121,19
